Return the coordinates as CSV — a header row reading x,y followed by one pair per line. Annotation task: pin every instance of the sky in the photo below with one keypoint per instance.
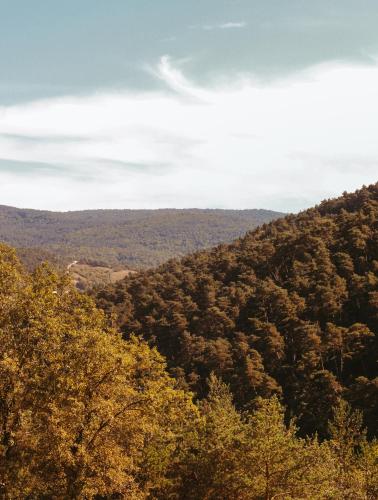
x,y
211,104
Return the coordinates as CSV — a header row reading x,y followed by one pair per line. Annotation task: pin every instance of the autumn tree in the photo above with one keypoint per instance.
x,y
82,412
356,459
211,465
251,456
279,464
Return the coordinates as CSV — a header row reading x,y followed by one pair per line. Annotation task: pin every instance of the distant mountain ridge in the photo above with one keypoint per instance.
x,y
128,238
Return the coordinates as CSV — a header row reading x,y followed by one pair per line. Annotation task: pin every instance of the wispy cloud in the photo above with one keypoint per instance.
x,y
122,168
232,25
40,139
30,168
169,39
221,26
174,79
183,146
34,170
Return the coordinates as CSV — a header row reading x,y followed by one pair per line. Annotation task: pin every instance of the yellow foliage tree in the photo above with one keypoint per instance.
x,y
279,465
82,412
253,456
356,458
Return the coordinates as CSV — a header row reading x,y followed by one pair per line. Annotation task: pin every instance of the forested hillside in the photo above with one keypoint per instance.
x,y
290,309
129,238
85,414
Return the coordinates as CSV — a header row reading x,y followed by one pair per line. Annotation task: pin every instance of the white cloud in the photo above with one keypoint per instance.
x,y
231,25
175,80
282,146
222,26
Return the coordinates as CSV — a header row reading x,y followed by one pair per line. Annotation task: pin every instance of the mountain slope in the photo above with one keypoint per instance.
x,y
130,238
291,308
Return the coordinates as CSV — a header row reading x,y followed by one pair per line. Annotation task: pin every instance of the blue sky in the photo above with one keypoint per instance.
x,y
226,103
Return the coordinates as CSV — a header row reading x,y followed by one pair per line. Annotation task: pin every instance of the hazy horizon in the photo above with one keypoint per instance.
x,y
144,209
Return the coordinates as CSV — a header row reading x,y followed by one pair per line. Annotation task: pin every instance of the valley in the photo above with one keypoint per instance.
x,y
85,276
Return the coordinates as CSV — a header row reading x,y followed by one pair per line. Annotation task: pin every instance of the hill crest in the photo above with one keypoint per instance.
x,y
291,308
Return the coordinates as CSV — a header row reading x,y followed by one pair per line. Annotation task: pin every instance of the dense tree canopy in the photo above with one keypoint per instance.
x,y
85,414
291,310
257,456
